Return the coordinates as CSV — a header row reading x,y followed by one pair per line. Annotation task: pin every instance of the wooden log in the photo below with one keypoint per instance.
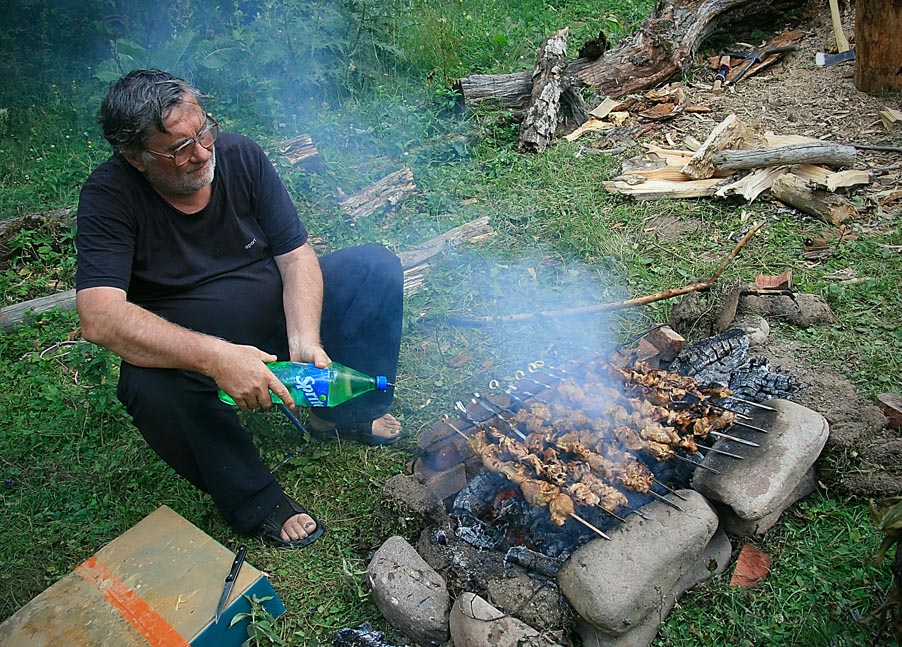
x,y
415,261
28,310
469,232
387,192
829,207
503,91
730,133
663,47
300,151
878,47
832,154
541,120
64,215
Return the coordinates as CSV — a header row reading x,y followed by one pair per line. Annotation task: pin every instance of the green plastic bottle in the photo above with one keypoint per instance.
x,y
320,387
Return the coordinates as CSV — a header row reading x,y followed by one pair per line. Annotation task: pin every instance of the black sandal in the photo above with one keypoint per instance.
x,y
285,509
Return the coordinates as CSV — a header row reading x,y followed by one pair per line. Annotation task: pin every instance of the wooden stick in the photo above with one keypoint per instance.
x,y
617,305
589,525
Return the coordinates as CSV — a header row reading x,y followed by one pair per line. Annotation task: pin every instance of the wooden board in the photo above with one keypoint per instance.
x,y
157,584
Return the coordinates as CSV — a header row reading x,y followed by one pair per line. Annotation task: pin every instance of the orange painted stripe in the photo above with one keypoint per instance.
x,y
138,613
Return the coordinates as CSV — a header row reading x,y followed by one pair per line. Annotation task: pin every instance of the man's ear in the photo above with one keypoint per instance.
x,y
134,161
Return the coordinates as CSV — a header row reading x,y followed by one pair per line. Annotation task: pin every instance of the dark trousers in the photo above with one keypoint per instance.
x,y
181,417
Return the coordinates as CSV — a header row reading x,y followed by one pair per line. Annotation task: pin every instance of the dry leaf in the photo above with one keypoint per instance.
x,y
780,282
460,360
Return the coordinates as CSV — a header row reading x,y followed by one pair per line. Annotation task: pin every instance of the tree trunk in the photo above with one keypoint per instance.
x,y
878,45
662,48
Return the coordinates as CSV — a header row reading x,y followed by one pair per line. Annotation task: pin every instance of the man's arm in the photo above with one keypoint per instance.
x,y
144,339
302,299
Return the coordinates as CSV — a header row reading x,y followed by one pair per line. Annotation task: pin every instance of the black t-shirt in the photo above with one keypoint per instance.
x,y
211,271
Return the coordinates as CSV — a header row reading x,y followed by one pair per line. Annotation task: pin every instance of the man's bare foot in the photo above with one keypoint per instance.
x,y
387,427
300,526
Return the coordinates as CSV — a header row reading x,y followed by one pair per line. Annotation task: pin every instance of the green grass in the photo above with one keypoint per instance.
x,y
76,474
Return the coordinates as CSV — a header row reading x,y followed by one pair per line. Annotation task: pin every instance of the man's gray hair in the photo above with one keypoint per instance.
x,y
138,101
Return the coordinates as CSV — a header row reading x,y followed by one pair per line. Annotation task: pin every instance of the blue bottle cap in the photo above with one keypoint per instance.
x,y
381,382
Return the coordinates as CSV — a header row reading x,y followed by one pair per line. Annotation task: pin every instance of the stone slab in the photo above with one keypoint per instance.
x,y
616,584
760,484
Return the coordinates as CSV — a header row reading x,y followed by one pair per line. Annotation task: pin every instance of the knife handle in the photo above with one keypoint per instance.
x,y
236,565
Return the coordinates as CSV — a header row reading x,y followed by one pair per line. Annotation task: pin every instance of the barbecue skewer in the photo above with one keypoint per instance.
x,y
719,451
670,490
750,403
666,500
689,460
748,426
715,406
481,401
589,525
741,441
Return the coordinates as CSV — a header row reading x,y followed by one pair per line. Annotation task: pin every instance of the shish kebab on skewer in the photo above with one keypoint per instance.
x,y
639,425
536,492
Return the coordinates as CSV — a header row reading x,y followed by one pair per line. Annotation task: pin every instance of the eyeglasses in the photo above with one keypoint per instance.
x,y
205,137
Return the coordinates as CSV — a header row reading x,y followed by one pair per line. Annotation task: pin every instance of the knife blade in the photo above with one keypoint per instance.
x,y
230,580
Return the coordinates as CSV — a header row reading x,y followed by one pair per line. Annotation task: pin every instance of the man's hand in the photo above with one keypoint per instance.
x,y
241,372
310,352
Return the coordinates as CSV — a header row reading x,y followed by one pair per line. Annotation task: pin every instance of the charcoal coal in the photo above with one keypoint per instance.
x,y
363,636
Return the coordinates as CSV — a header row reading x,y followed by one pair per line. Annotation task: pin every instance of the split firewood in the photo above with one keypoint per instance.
x,y
753,184
603,109
796,192
300,151
541,120
821,176
731,133
645,189
891,406
837,155
890,117
387,192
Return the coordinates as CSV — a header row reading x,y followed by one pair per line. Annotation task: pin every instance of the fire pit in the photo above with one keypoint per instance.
x,y
584,458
